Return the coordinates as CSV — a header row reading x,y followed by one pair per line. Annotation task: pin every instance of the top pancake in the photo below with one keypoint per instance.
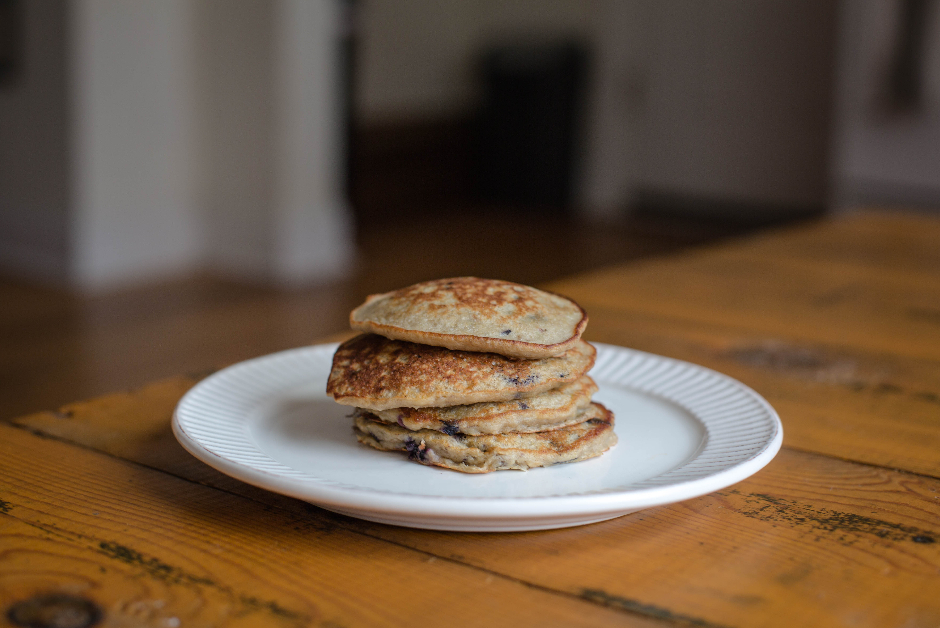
x,y
471,314
378,373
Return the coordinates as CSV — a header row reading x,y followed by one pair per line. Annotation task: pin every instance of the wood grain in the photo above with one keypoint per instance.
x,y
852,404
773,297
56,347
809,540
767,285
151,549
833,323
877,530
837,325
835,400
903,243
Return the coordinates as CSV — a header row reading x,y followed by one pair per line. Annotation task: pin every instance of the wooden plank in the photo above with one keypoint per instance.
x,y
146,547
838,325
862,406
857,405
903,243
851,529
863,538
55,348
840,305
822,539
809,540
135,426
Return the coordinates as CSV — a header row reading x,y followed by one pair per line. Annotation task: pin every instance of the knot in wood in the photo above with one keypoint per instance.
x,y
55,610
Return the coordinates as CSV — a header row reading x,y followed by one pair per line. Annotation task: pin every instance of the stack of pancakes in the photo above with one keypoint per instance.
x,y
474,375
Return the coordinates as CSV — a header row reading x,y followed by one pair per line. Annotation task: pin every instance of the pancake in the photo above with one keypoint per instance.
x,y
371,371
494,452
472,314
549,410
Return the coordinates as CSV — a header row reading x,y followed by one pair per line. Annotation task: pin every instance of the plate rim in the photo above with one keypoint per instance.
x,y
473,508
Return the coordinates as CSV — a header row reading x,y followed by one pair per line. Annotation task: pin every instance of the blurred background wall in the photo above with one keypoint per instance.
x,y
132,211
141,139
725,102
715,106
34,129
419,58
887,134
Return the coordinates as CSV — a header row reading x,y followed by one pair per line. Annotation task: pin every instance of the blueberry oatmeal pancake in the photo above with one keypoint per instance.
x,y
556,408
473,314
590,437
371,371
474,375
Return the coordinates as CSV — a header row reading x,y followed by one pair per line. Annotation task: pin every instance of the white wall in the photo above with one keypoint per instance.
x,y
34,179
882,158
149,139
271,139
134,214
616,103
712,99
739,103
234,60
312,225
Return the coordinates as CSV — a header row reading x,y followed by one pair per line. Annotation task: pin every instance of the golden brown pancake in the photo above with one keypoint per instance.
x,y
546,411
493,452
371,371
472,314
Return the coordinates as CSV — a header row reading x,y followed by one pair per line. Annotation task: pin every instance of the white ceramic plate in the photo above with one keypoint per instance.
x,y
684,431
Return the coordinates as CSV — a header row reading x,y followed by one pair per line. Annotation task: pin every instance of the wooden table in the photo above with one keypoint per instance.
x,y
837,324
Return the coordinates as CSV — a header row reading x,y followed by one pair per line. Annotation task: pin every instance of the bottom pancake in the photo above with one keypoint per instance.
x,y
494,452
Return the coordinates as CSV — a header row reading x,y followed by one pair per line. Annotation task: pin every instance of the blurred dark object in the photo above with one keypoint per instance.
x,y
703,212
905,84
525,151
11,39
404,170
349,43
